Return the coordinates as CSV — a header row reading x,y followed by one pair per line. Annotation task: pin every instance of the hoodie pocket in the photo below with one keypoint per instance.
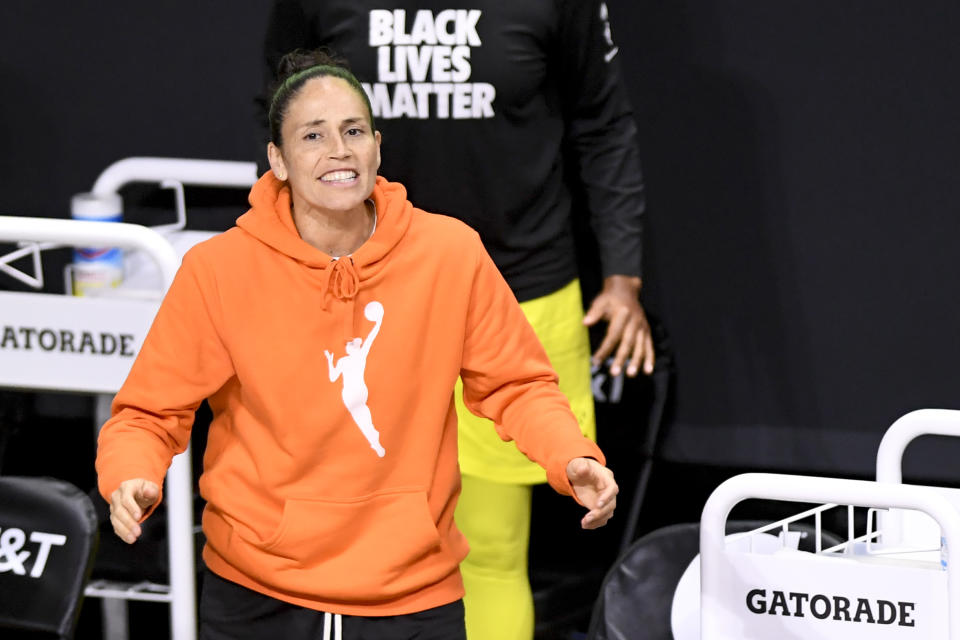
x,y
386,544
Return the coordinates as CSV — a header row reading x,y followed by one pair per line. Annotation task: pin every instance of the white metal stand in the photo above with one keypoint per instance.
x,y
810,583
51,369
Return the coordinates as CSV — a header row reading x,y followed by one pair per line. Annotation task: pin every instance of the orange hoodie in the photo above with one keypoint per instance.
x,y
330,471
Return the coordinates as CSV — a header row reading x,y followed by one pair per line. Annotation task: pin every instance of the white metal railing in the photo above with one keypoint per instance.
x,y
60,231
174,173
215,173
911,527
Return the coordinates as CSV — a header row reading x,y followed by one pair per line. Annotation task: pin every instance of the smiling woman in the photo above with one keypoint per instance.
x,y
328,330
325,147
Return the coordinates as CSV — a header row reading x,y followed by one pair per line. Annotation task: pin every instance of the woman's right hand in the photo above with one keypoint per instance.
x,y
128,504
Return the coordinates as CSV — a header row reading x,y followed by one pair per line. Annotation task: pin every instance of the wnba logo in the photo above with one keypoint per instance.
x,y
351,368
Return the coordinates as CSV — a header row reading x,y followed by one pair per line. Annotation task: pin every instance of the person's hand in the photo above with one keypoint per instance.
x,y
128,504
596,489
627,328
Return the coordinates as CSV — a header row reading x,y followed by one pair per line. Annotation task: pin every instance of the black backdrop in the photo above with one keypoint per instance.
x,y
801,163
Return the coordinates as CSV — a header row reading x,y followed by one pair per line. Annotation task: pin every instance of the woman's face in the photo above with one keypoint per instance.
x,y
330,155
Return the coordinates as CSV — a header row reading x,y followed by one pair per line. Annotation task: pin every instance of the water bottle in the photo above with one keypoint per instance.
x,y
96,269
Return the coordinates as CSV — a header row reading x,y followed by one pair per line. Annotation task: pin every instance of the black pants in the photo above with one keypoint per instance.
x,y
229,611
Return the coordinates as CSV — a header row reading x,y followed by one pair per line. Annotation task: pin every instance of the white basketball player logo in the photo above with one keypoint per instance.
x,y
352,367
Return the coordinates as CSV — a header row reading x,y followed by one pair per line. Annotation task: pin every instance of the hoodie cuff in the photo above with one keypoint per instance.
x,y
557,471
109,481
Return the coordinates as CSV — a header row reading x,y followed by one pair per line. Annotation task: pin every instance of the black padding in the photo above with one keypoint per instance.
x,y
637,594
48,539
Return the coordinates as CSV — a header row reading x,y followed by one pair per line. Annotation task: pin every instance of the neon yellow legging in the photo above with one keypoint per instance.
x,y
494,507
498,602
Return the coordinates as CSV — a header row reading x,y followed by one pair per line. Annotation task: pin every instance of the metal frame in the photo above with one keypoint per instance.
x,y
36,234
179,493
901,527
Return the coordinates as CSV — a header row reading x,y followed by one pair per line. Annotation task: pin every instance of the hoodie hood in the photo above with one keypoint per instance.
x,y
270,221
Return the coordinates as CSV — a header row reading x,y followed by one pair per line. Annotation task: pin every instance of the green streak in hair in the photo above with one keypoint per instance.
x,y
320,70
292,80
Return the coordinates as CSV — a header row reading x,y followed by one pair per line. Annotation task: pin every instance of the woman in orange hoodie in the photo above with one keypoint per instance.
x,y
327,331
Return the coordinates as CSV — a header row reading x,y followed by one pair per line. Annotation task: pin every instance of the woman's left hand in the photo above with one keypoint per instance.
x,y
596,489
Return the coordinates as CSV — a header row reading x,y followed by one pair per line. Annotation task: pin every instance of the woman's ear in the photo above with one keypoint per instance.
x,y
276,161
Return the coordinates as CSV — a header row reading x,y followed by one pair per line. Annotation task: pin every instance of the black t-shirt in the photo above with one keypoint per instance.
x,y
492,111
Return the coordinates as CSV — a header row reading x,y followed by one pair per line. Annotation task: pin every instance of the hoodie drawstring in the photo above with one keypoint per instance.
x,y
337,626
341,279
